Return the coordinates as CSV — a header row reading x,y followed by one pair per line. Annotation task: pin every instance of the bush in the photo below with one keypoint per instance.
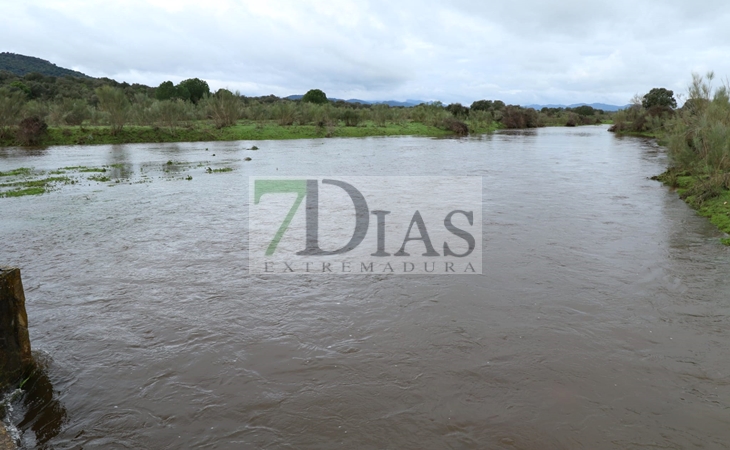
x,y
284,113
31,131
351,118
11,103
516,117
224,108
114,102
457,127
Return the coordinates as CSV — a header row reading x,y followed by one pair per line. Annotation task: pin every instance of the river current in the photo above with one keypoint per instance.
x,y
601,318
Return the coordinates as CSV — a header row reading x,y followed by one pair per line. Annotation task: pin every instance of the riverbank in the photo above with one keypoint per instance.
x,y
702,195
242,131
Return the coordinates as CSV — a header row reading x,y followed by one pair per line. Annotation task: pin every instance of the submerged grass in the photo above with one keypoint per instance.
x,y
33,187
16,172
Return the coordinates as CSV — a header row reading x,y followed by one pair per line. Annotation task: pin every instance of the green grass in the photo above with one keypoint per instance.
x,y
645,134
84,169
243,130
16,172
99,178
33,187
24,192
693,191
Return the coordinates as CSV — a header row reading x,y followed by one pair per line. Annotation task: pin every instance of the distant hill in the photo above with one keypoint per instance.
x,y
408,102
602,106
21,65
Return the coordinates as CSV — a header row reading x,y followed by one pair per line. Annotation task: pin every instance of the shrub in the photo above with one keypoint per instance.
x,y
31,131
11,103
114,102
455,126
284,113
516,117
224,108
351,118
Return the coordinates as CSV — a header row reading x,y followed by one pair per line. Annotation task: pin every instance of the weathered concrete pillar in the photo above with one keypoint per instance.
x,y
15,358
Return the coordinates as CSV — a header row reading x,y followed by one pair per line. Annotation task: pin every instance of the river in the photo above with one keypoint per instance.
x,y
601,318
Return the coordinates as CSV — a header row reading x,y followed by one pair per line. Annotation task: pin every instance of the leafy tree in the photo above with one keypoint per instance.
x,y
114,102
659,97
482,105
457,110
584,110
315,96
165,91
196,89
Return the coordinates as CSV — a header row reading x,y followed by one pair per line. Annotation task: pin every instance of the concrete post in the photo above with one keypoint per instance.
x,y
15,357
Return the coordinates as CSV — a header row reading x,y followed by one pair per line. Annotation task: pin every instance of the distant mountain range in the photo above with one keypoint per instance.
x,y
408,102
602,106
411,102
21,65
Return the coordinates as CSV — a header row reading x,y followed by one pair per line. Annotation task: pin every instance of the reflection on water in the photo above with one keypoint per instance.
x,y
601,320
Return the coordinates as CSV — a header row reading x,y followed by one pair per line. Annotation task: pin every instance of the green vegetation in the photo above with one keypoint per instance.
x,y
698,139
16,172
31,187
223,169
315,96
37,109
25,181
21,65
647,115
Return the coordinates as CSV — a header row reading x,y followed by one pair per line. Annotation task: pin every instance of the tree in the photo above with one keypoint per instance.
x,y
659,97
482,105
315,96
196,87
458,110
584,110
166,91
114,102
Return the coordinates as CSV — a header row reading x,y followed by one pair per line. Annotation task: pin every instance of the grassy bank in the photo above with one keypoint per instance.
x,y
701,194
243,130
698,140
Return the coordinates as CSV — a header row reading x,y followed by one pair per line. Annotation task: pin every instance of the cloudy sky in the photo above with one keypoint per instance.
x,y
521,52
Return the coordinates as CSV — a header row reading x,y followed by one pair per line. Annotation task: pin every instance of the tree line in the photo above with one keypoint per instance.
x,y
75,101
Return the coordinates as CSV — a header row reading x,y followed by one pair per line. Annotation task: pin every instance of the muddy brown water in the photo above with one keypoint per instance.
x,y
602,318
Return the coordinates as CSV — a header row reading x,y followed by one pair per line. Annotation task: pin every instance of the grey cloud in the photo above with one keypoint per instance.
x,y
521,52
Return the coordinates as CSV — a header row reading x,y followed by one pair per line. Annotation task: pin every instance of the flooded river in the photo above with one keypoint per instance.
x,y
601,319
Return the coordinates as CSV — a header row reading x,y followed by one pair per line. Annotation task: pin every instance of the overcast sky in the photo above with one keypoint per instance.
x,y
521,52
